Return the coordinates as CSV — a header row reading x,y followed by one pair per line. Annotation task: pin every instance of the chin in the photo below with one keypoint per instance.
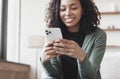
x,y
69,24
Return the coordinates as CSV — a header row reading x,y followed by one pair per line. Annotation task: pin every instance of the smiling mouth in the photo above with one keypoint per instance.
x,y
69,20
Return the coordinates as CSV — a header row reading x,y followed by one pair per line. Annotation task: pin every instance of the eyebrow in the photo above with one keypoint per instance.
x,y
71,4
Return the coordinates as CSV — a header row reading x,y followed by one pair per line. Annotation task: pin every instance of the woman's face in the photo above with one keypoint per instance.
x,y
70,13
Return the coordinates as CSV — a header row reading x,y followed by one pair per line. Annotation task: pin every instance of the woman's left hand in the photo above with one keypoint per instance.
x,y
69,48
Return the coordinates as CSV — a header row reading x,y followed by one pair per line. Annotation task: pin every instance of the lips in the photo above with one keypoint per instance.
x,y
69,20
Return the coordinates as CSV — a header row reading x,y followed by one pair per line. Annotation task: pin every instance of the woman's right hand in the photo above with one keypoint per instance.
x,y
48,52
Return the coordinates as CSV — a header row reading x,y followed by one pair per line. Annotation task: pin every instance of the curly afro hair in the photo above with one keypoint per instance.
x,y
88,23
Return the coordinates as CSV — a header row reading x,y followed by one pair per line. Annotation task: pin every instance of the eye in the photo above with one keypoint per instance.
x,y
62,8
74,7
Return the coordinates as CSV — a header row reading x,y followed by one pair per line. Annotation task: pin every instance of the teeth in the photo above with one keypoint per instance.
x,y
69,19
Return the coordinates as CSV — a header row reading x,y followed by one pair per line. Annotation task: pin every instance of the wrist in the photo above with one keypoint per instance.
x,y
82,57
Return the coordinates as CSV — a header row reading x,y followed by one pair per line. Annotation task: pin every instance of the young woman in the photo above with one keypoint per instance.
x,y
79,54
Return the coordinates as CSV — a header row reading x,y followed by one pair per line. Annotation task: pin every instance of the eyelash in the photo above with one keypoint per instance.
x,y
71,8
74,8
62,9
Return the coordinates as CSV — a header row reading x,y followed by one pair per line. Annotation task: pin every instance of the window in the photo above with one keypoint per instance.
x,y
3,28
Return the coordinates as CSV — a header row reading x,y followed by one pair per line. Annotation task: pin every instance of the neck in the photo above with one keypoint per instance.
x,y
73,29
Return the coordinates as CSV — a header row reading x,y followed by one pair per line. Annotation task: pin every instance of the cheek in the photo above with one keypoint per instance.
x,y
79,12
78,15
61,16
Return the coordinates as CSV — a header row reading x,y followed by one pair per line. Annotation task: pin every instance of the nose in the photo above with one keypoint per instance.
x,y
68,12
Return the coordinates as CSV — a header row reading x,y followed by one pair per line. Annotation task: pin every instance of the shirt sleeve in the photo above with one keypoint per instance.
x,y
89,68
50,69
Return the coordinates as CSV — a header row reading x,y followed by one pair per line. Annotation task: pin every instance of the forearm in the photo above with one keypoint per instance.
x,y
49,70
86,70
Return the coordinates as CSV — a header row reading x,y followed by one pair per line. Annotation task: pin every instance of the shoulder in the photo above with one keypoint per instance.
x,y
98,32
97,37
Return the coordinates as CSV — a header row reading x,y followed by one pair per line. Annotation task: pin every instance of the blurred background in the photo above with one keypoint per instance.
x,y
22,34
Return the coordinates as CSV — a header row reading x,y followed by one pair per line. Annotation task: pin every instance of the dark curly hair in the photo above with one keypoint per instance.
x,y
89,21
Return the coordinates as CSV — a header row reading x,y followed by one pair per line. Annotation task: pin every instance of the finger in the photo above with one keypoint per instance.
x,y
50,43
51,52
66,41
48,58
63,50
60,44
58,40
62,40
58,49
48,48
69,50
64,45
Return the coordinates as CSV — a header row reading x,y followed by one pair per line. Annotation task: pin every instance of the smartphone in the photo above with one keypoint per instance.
x,y
53,34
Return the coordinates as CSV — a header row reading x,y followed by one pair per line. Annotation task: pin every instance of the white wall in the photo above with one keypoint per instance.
x,y
110,20
25,19
32,24
109,6
110,65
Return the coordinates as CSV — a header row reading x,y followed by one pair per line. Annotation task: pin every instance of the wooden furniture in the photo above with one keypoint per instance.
x,y
11,70
116,29
110,13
